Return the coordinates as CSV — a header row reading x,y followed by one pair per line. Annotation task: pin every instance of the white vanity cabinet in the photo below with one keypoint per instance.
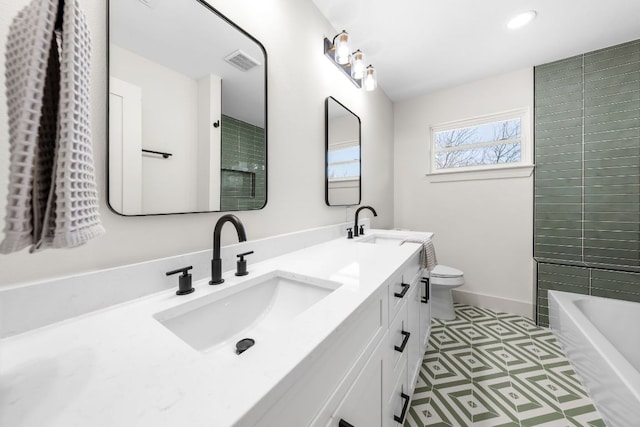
x,y
377,373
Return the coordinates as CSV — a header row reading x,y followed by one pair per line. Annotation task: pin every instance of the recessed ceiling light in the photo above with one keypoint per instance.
x,y
521,19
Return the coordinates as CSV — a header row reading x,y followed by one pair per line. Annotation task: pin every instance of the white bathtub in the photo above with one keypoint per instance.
x,y
601,338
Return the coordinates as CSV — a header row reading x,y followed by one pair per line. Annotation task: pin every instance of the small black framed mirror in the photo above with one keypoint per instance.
x,y
343,168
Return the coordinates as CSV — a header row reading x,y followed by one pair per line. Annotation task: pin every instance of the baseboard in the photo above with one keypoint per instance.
x,y
521,308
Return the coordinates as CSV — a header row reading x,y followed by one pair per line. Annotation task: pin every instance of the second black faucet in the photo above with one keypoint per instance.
x,y
355,226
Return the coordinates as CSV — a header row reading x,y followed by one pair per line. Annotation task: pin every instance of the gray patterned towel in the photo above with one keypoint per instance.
x,y
428,258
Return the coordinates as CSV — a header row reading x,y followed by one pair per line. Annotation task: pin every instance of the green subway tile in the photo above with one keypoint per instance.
x,y
609,217
592,65
543,233
549,200
617,276
557,241
558,191
565,287
562,132
599,79
544,102
557,249
613,244
566,79
575,122
614,125
612,152
613,180
557,141
554,216
613,116
559,166
610,80
612,52
561,90
611,135
557,68
558,149
618,107
614,98
630,207
551,175
560,224
562,107
611,254
564,270
542,121
591,198
610,163
568,208
543,321
598,92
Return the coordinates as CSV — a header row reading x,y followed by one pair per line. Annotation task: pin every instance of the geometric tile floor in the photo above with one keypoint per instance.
x,y
496,369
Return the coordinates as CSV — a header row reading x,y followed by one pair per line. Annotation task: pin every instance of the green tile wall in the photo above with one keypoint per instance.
x,y
587,179
243,155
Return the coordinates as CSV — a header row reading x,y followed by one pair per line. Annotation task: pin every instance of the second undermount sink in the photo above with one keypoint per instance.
x,y
252,308
383,239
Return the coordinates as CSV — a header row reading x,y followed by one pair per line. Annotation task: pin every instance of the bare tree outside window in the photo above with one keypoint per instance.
x,y
484,144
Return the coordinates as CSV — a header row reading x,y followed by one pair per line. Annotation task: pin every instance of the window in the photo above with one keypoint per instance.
x,y
488,142
343,163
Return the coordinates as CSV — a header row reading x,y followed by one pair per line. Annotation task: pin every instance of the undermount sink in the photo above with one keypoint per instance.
x,y
381,239
256,307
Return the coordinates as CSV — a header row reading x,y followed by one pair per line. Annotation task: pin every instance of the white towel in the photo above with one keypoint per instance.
x,y
428,258
52,199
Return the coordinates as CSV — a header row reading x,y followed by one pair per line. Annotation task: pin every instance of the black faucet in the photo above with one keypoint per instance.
x,y
216,262
355,226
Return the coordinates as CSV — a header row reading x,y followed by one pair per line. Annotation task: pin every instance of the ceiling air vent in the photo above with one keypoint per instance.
x,y
241,60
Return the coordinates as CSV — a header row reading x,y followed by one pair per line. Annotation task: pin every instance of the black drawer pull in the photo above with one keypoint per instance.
x,y
405,288
404,341
343,423
425,298
405,405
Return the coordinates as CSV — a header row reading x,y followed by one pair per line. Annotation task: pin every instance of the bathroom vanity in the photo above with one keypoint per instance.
x,y
338,328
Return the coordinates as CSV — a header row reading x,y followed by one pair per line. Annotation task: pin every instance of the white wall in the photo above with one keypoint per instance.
x,y
483,227
169,124
299,80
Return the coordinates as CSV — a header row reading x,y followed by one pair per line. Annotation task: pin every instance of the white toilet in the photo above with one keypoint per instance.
x,y
443,279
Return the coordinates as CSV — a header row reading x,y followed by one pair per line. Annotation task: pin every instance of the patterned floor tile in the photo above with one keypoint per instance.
x,y
491,369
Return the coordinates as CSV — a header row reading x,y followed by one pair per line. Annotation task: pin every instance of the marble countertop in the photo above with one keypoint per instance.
x,y
121,367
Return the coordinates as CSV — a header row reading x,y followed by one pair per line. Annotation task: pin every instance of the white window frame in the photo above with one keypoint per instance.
x,y
343,145
500,170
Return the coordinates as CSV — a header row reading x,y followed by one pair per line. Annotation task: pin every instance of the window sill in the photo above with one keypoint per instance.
x,y
474,175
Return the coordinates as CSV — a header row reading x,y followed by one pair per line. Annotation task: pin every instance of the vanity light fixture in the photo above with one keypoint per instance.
x,y
370,80
357,64
341,43
351,64
521,19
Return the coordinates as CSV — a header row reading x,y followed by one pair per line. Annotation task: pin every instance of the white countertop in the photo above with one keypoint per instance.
x,y
120,367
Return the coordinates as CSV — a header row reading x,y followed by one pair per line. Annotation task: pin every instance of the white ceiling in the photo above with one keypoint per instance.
x,y
420,46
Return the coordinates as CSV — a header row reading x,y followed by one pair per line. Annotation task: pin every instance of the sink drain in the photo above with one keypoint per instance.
x,y
244,344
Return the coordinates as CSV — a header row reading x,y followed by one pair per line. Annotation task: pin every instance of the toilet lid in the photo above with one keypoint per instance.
x,y
445,271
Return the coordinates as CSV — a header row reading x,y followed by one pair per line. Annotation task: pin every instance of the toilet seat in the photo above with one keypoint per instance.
x,y
445,271
446,276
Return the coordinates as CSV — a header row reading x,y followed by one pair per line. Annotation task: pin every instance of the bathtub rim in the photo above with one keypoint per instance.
x,y
617,362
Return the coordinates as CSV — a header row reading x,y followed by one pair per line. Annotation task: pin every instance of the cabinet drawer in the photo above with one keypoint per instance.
x,y
398,403
400,286
396,361
333,366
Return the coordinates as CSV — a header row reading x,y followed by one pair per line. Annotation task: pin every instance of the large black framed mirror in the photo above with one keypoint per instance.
x,y
187,110
343,169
